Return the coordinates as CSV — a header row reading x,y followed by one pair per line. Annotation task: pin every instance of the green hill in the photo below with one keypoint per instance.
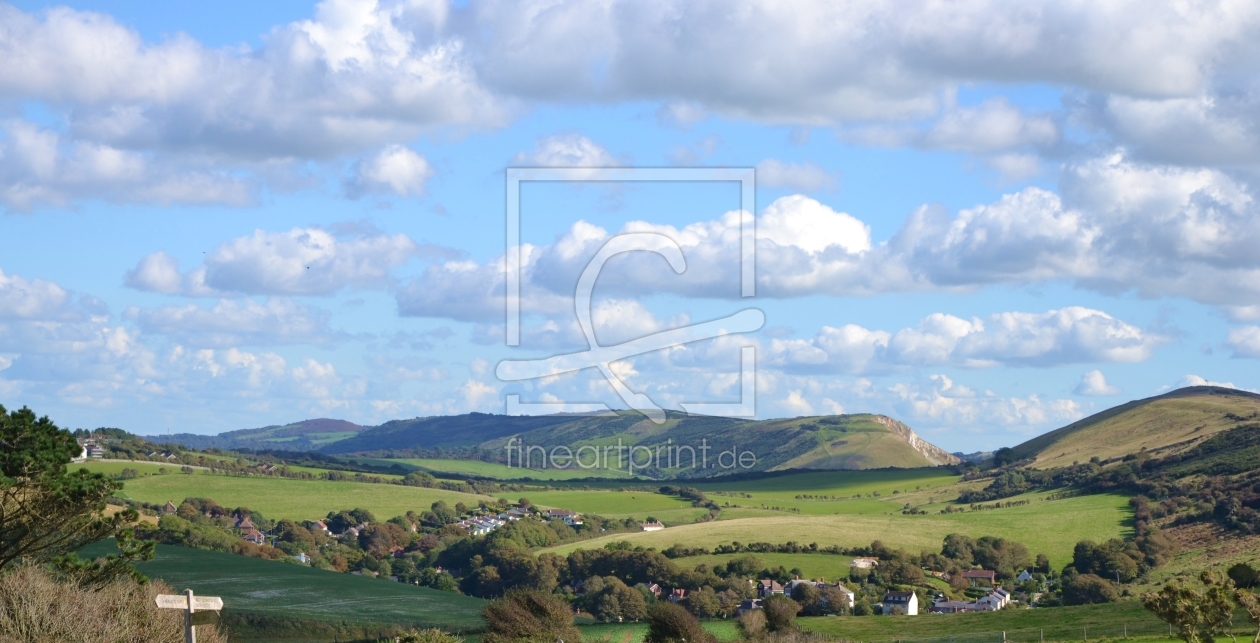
x,y
1160,425
307,435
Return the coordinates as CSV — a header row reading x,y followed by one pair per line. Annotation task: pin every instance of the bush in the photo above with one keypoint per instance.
x,y
1087,589
433,635
34,607
780,613
530,615
752,623
669,623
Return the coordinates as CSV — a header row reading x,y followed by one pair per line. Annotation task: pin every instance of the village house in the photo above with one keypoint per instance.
x,y
654,525
901,603
655,588
561,514
244,523
254,536
1024,576
991,602
749,605
303,558
677,595
768,587
848,594
319,525
170,508
864,562
975,576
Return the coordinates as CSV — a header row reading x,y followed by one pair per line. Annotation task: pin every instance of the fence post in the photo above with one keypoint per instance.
x,y
1126,630
1043,635
1086,631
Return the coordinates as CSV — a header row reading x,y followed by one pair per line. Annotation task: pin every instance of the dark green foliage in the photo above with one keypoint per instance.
x,y
609,599
1244,576
669,623
1198,616
780,613
1114,559
530,615
48,511
1087,589
96,574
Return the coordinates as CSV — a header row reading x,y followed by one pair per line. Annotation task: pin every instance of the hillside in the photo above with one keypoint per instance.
x,y
829,442
307,435
1160,425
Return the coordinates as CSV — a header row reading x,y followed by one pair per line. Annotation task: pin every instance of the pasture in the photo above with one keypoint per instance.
x,y
1049,527
287,498
496,471
256,586
614,504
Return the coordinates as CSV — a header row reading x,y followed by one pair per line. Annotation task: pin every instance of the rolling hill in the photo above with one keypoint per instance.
x,y
307,435
1160,425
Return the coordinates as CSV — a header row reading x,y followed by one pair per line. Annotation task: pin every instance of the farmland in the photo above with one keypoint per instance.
x,y
1050,527
287,498
494,470
255,586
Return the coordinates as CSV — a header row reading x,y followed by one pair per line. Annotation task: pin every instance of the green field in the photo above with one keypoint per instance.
x,y
256,586
833,492
615,504
634,632
497,471
1049,527
828,566
1111,621
287,498
115,467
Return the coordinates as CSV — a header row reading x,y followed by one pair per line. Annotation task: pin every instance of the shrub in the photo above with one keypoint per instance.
x,y
530,615
752,623
433,635
669,623
34,607
1087,589
780,613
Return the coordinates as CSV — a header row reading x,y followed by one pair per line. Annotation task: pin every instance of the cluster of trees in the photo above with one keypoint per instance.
x,y
1202,615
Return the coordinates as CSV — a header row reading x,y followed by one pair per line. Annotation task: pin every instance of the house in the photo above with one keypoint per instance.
x,y
351,531
303,558
244,523
791,585
170,508
952,607
864,562
974,576
1024,576
518,512
847,592
768,587
677,595
749,605
578,585
396,551
319,525
508,515
254,536
573,521
654,525
562,514
901,603
656,590
991,602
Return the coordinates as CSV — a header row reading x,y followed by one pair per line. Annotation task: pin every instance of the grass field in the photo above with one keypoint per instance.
x,y
826,566
634,632
115,467
1081,623
286,498
497,471
821,493
615,504
253,585
1049,527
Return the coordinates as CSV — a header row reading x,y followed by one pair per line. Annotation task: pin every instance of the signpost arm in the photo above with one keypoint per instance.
x,y
190,631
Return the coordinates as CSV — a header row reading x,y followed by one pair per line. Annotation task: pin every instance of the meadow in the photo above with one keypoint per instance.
x,y
1049,527
256,586
614,504
496,471
287,498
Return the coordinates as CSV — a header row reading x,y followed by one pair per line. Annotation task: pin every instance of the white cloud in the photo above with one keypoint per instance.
x,y
22,298
1094,383
232,323
302,261
941,400
566,150
393,170
1245,341
797,403
1195,380
773,173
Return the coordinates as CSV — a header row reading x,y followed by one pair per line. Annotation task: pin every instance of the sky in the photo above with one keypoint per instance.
x,y
984,219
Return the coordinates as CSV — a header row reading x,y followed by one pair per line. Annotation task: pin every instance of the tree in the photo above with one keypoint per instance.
x,y
669,623
809,597
529,615
780,613
834,601
1243,575
1198,616
433,635
47,511
1250,604
1087,589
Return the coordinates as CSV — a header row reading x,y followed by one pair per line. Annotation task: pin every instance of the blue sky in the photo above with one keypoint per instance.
x,y
985,221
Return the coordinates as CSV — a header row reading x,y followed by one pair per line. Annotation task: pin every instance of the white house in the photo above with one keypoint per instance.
x,y
864,562
1024,576
654,525
303,558
847,592
901,602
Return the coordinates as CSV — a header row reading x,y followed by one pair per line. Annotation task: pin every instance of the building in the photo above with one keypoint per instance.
x,y
1024,576
864,562
654,525
768,587
303,558
952,607
244,523
677,595
170,508
254,536
656,589
749,605
848,593
319,525
991,602
901,603
561,514
975,576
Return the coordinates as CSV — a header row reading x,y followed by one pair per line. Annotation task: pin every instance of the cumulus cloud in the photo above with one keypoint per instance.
x,y
301,261
773,173
1066,336
1094,383
940,399
231,323
1245,341
1196,380
566,150
394,170
22,298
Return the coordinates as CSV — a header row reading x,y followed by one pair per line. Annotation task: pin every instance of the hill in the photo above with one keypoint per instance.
x,y
444,431
1160,425
307,435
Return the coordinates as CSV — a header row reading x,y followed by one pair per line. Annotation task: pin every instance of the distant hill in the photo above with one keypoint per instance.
x,y
446,431
1161,425
307,435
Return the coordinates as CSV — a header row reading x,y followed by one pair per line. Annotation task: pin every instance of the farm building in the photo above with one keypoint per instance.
x,y
864,562
901,603
654,525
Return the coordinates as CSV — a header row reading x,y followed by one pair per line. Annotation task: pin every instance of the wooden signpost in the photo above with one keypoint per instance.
x,y
198,610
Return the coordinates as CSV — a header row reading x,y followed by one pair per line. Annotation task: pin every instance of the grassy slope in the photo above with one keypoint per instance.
x,y
863,445
1183,416
297,499
497,471
252,585
1050,527
615,504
